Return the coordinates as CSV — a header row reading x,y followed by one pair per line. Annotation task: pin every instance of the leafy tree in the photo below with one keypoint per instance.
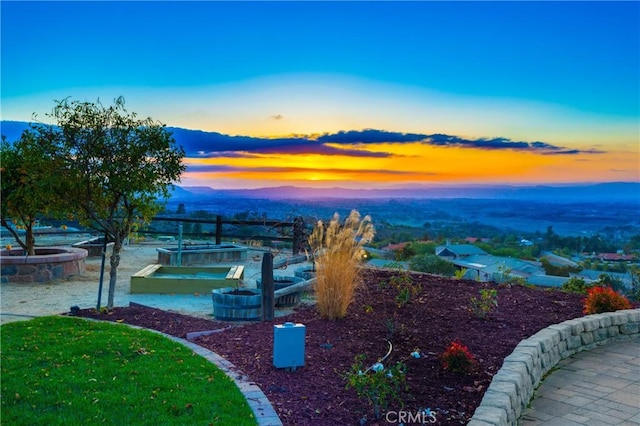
x,y
405,253
559,271
432,264
607,280
634,242
197,228
634,289
29,182
181,209
424,247
118,168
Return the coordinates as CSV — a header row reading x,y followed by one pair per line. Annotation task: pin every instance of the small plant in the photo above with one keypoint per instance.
x,y
460,273
606,280
403,297
458,359
485,304
368,309
377,384
505,276
407,288
338,252
604,299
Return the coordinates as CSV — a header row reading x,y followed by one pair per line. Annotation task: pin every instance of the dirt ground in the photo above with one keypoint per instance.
x,y
23,301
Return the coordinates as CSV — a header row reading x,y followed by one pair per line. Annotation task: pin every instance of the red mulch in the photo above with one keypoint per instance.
x,y
315,394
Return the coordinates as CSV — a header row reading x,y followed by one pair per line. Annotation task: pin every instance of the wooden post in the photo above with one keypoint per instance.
x,y
298,234
218,230
268,297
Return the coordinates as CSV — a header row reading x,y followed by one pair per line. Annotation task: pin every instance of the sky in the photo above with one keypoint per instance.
x,y
350,94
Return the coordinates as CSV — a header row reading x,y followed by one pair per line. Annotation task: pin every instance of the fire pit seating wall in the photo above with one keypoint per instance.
x,y
49,263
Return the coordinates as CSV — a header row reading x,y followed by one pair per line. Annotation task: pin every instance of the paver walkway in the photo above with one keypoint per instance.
x,y
597,387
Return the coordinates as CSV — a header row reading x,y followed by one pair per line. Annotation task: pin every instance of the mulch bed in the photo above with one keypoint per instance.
x,y
438,314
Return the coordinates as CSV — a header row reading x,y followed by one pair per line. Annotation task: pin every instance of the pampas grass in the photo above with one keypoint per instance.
x,y
339,251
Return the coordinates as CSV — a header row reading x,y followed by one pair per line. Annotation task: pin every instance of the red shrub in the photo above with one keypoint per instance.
x,y
604,299
458,359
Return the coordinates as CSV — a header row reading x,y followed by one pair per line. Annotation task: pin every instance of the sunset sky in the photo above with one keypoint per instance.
x,y
350,94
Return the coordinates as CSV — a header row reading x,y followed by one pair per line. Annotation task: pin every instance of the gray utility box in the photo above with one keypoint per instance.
x,y
288,345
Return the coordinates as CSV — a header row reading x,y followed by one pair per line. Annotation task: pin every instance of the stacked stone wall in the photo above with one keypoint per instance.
x,y
512,387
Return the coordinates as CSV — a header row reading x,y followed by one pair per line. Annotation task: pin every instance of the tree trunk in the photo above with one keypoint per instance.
x,y
30,240
113,273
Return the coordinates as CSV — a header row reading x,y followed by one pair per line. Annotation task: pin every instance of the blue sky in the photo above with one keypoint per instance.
x,y
563,73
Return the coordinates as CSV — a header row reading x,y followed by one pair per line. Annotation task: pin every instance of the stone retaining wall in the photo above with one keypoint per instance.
x,y
512,387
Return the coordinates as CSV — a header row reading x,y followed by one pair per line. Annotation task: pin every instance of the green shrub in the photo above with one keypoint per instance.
x,y
576,285
432,264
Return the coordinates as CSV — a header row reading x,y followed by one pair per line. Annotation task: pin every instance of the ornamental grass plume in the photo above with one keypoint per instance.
x,y
338,252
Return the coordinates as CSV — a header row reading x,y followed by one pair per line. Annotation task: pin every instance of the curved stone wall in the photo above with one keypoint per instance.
x,y
49,263
512,387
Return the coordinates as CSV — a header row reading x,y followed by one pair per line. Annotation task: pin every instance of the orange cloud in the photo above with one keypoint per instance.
x,y
414,162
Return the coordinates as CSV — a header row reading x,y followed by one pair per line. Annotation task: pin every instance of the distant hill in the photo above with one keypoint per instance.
x,y
609,192
12,129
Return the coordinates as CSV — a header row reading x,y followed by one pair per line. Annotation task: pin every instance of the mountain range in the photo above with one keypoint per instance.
x,y
628,192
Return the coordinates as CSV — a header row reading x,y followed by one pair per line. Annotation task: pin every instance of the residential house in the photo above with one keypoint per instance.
x,y
484,267
458,251
592,275
556,260
615,257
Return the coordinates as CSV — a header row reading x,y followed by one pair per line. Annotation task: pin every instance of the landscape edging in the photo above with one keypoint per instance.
x,y
263,411
512,387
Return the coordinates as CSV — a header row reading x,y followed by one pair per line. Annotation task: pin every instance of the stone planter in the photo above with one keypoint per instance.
x,y
280,282
233,304
48,264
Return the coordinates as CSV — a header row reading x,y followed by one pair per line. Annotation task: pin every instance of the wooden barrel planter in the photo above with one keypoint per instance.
x,y
233,304
280,282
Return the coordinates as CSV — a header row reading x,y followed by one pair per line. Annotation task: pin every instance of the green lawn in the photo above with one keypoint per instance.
x,y
69,371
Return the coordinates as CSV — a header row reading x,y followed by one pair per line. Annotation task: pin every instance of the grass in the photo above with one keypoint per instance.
x,y
338,250
62,371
